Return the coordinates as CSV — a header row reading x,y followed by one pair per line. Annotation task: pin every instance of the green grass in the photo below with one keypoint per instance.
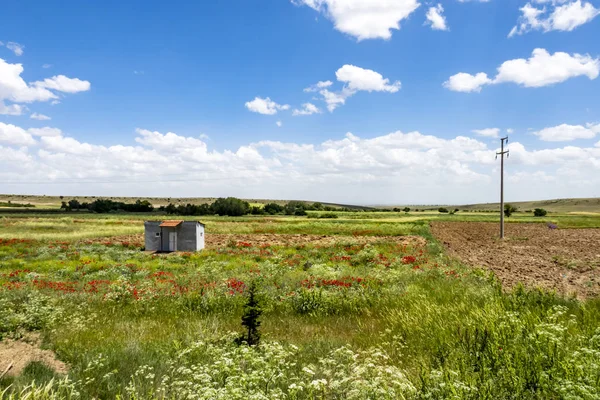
x,y
347,320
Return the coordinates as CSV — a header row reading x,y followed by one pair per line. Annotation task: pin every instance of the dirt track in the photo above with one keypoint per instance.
x,y
565,260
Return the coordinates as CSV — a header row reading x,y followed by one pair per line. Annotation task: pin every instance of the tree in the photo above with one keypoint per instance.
x,y
256,210
317,206
250,318
273,208
230,206
540,212
65,206
292,206
509,209
443,210
74,204
406,209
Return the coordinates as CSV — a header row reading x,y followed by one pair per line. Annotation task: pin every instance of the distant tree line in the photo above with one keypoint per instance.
x,y
106,206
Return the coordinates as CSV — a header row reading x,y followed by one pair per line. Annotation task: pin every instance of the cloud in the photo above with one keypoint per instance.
x,y
561,15
11,109
45,131
15,48
355,169
40,117
467,83
307,109
265,106
14,135
565,132
335,99
318,86
487,132
14,88
279,124
541,69
364,19
62,83
355,79
46,66
436,19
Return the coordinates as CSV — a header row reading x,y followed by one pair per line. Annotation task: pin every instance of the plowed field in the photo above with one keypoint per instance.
x,y
564,260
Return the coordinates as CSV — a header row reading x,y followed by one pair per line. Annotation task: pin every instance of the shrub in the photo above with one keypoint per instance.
x,y
230,206
273,208
540,212
509,209
250,318
328,215
256,210
406,209
293,206
443,210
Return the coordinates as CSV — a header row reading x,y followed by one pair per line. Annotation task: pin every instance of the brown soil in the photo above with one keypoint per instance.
x,y
19,353
564,260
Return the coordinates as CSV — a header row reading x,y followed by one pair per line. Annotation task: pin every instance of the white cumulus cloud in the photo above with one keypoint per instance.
x,y
463,82
541,69
364,19
265,106
566,132
436,19
355,79
62,83
14,88
554,15
351,168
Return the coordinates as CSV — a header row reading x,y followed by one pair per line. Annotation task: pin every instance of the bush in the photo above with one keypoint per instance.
x,y
540,212
509,209
443,210
273,208
328,215
230,206
256,210
293,206
406,209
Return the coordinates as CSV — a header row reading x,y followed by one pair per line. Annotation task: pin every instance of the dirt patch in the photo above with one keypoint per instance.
x,y
19,353
565,260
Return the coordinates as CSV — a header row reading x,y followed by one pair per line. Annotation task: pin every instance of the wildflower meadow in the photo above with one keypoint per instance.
x,y
344,318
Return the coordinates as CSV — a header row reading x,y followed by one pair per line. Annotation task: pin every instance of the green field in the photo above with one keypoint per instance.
x,y
390,319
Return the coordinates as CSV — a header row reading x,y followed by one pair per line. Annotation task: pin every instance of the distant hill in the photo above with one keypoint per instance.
x,y
41,202
556,205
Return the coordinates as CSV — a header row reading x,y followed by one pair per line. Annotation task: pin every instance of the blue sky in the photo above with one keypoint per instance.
x,y
136,71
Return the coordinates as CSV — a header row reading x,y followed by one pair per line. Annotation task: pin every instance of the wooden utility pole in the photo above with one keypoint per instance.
x,y
501,154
